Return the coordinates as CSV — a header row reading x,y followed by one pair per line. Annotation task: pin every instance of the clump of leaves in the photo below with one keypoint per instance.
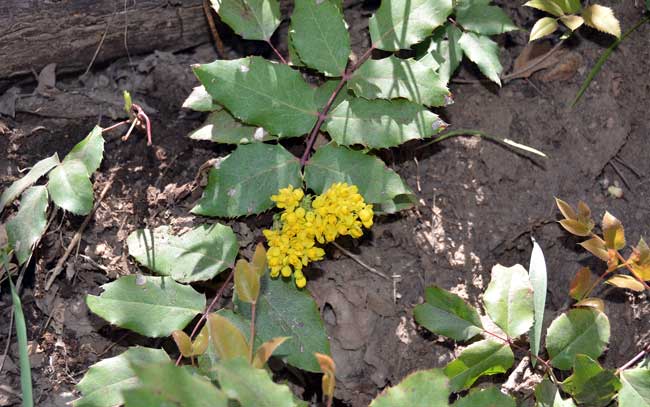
x,y
606,246
362,104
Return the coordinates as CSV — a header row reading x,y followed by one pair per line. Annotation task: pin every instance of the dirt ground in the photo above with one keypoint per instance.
x,y
480,204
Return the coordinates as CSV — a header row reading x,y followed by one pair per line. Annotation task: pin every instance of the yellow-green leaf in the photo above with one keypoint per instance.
x,y
259,259
567,210
545,5
265,351
613,232
183,342
596,246
574,227
625,281
543,27
572,22
247,282
602,18
227,340
200,344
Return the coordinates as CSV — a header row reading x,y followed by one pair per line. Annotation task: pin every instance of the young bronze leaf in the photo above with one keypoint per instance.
x,y
580,284
329,370
247,282
259,259
201,342
227,340
584,213
641,265
625,281
567,211
183,342
596,246
595,303
575,227
613,232
265,351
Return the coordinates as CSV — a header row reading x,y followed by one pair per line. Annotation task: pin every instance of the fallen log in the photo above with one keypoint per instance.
x,y
72,33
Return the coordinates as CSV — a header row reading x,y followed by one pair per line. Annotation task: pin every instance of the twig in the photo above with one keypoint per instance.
x,y
532,64
208,310
275,50
359,261
620,174
634,360
213,29
99,46
77,237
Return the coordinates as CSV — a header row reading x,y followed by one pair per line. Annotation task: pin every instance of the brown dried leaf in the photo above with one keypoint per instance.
x,y
265,351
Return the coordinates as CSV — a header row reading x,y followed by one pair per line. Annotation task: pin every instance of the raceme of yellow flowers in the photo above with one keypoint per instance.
x,y
305,221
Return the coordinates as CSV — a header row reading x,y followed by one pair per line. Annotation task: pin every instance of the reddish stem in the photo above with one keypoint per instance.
x,y
115,126
251,340
284,61
545,362
208,310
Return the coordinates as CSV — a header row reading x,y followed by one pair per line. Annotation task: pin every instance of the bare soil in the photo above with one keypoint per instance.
x,y
480,204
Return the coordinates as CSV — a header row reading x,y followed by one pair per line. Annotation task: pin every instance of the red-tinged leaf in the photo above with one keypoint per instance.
x,y
575,227
182,342
613,232
596,246
259,259
567,211
596,303
201,342
329,370
580,284
625,281
265,351
326,363
228,341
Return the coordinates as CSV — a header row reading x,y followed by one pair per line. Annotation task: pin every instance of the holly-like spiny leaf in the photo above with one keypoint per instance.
x,y
27,226
548,395
246,179
150,306
197,255
419,389
221,127
252,19
484,53
484,19
635,390
487,357
602,18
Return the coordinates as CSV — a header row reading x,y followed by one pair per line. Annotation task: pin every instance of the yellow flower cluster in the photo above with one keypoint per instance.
x,y
339,211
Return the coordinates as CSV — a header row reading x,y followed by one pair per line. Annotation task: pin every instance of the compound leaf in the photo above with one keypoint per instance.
x,y
635,390
27,226
221,127
282,310
419,389
447,314
509,299
484,19
70,188
197,255
261,93
319,35
484,53
104,382
381,123
398,24
251,387
590,384
580,330
38,170
487,357
490,397
246,179
150,306
252,19
385,189
392,78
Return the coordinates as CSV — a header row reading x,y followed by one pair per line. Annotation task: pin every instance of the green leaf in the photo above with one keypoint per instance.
x,y
319,36
200,100
602,18
38,170
580,330
485,20
104,382
398,24
548,6
509,299
484,53
543,27
262,93
447,314
246,179
252,19
27,226
590,384
70,187
448,52
539,282
21,336
392,78
221,127
251,387
635,391
569,6
172,384
385,189
487,357
490,397
150,306
547,395
381,123
197,255
420,389
283,310
89,151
